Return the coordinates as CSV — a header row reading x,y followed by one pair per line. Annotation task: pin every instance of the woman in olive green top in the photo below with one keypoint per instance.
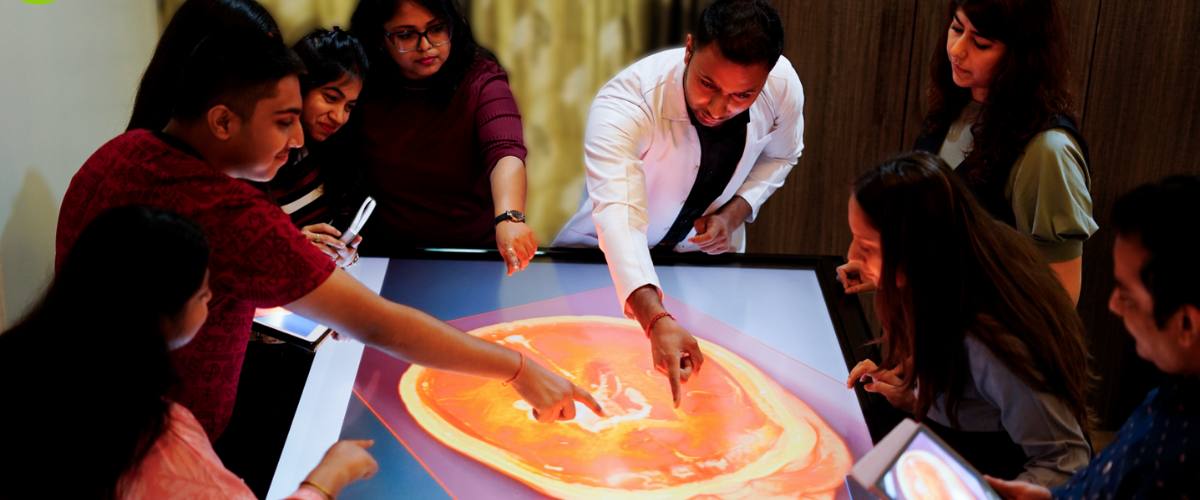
x,y
1000,113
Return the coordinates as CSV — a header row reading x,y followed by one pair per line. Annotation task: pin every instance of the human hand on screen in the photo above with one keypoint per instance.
x,y
551,396
1018,490
345,462
325,237
850,275
712,234
516,243
676,354
883,381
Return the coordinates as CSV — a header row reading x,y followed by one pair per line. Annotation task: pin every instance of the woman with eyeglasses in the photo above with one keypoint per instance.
x,y
438,135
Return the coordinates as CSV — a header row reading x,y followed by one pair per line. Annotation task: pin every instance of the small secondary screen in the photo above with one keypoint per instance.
x,y
929,470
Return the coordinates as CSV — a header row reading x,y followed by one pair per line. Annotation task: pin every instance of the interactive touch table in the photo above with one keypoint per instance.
x,y
769,415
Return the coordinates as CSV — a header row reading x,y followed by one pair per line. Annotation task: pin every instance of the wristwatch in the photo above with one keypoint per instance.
x,y
511,215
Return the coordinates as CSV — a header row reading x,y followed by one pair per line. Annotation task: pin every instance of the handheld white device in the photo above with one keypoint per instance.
x,y
364,212
913,463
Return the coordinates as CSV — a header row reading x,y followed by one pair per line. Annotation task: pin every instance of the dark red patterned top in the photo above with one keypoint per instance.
x,y
428,160
259,259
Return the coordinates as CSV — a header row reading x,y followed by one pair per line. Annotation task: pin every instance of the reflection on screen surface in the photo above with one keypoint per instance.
x,y
291,323
927,471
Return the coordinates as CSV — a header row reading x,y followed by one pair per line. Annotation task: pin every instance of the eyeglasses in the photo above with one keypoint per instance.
x,y
408,41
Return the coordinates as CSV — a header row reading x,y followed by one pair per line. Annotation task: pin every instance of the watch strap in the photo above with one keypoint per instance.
x,y
509,216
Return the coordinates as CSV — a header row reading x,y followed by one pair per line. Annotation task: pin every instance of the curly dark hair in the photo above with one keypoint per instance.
x,y
1030,90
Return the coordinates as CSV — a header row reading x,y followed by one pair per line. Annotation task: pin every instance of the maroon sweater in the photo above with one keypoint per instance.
x,y
427,161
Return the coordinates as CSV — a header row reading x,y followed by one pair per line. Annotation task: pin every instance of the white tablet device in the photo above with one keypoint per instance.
x,y
913,463
364,212
289,327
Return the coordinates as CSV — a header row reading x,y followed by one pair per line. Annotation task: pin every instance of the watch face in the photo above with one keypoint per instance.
x,y
516,216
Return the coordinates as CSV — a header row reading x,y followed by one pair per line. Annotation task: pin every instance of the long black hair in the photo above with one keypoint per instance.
x,y
195,20
330,56
367,24
85,371
1031,86
965,272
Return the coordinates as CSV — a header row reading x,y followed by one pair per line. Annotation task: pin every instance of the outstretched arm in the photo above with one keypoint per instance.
x,y
515,240
347,306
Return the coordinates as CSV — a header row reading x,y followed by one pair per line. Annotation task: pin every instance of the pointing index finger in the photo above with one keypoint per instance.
x,y
583,397
673,374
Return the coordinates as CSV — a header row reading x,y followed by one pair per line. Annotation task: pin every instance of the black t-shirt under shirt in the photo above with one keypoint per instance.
x,y
720,151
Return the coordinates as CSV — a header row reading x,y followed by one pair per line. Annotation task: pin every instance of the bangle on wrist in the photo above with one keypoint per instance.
x,y
655,319
519,370
320,489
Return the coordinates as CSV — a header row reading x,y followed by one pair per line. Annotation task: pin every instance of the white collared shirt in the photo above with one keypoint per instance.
x,y
642,155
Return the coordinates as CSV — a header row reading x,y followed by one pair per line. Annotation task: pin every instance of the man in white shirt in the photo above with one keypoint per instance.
x,y
681,149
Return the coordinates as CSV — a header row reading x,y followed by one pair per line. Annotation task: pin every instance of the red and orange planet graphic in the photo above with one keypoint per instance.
x,y
737,434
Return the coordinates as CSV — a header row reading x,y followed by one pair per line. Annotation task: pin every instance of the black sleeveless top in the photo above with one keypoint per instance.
x,y
988,187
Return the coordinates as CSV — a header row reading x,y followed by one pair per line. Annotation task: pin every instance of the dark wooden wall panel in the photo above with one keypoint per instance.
x,y
852,58
1081,17
927,29
1142,124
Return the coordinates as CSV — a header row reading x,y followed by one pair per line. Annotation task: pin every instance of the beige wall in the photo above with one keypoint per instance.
x,y
69,71
294,17
558,55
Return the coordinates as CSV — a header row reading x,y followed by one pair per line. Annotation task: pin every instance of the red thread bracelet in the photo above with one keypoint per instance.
x,y
655,319
519,370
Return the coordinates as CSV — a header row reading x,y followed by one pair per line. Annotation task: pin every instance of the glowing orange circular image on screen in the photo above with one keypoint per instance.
x,y
924,476
736,435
